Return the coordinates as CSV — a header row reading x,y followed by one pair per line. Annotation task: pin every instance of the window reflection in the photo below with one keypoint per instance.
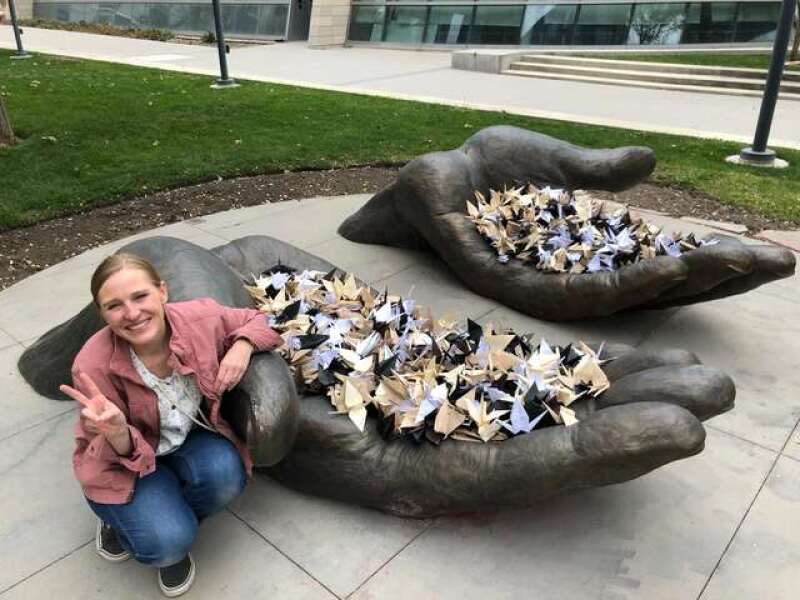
x,y
448,25
656,24
548,24
366,23
497,25
601,24
492,24
405,24
757,22
240,19
709,22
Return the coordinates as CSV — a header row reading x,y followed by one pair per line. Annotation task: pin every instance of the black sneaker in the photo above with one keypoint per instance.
x,y
107,544
177,579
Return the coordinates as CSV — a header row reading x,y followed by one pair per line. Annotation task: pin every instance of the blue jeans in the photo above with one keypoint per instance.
x,y
195,481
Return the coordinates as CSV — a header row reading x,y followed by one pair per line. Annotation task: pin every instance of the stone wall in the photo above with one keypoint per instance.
x,y
329,20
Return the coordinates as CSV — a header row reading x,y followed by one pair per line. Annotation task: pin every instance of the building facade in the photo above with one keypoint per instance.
x,y
442,23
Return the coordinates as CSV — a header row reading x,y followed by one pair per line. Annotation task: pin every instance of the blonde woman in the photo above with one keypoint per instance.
x,y
153,455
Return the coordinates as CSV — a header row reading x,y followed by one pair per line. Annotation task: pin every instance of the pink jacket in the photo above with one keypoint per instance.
x,y
202,331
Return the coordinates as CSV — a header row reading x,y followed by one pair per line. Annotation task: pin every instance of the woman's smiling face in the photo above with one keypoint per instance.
x,y
133,307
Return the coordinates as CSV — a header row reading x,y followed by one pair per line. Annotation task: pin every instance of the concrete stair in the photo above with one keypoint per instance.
x,y
691,78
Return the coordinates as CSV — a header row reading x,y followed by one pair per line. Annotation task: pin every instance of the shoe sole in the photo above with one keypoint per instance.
x,y
182,588
114,558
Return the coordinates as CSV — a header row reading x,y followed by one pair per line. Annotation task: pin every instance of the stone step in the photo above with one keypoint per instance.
x,y
641,66
648,76
649,84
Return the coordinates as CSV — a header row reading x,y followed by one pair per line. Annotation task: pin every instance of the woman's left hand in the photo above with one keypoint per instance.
x,y
233,366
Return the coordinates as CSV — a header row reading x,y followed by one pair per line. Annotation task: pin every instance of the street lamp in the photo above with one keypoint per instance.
x,y
224,80
17,32
758,154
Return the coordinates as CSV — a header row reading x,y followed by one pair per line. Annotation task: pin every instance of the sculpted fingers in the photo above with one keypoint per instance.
x,y
619,443
703,391
640,359
769,263
709,266
263,409
508,155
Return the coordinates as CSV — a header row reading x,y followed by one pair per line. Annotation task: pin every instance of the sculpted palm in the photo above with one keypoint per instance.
x,y
426,208
651,415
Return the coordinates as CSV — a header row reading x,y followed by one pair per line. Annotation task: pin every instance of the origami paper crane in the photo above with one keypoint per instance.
x,y
425,208
650,416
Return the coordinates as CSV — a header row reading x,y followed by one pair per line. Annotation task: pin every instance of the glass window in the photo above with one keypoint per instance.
x,y
272,19
241,19
448,24
200,19
159,16
601,24
757,22
180,17
138,15
709,22
548,24
497,25
106,13
657,24
405,24
366,23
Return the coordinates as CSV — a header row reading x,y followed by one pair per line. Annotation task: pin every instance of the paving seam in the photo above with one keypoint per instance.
x,y
789,439
282,553
15,339
742,439
395,76
393,556
12,342
377,281
204,227
542,114
47,566
747,512
38,423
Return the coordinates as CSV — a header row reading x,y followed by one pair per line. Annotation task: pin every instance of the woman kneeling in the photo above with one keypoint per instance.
x,y
153,455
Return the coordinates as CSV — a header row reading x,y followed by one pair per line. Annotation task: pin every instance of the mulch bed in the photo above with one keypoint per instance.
x,y
28,250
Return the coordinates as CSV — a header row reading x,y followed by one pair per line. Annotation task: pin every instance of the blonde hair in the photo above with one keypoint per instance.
x,y
115,263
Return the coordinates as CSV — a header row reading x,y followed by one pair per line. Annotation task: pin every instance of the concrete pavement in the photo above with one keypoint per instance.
x,y
427,76
721,525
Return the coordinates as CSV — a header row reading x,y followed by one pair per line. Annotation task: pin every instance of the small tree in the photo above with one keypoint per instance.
x,y
6,133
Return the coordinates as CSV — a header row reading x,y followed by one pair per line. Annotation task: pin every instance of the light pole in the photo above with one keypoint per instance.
x,y
224,80
17,32
758,154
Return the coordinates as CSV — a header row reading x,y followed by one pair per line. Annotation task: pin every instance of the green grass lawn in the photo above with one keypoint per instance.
x,y
94,133
749,61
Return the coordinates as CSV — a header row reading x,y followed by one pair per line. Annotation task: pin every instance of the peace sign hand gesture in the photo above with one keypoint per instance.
x,y
102,416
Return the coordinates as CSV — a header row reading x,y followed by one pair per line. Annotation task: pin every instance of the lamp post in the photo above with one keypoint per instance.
x,y
758,154
224,80
17,32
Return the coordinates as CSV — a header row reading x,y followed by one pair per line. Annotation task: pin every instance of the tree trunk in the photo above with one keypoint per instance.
x,y
6,133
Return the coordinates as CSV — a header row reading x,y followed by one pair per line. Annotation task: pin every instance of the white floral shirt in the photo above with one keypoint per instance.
x,y
179,401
